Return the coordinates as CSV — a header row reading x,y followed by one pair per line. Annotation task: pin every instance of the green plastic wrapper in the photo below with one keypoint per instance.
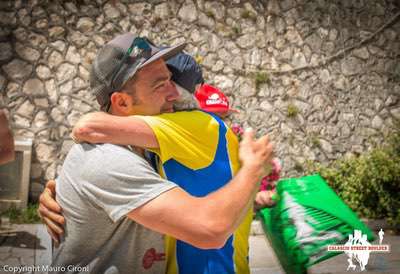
x,y
307,218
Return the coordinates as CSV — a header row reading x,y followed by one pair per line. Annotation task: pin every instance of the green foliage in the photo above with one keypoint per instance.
x,y
199,59
210,13
236,30
298,167
246,14
25,216
261,78
292,110
369,183
315,141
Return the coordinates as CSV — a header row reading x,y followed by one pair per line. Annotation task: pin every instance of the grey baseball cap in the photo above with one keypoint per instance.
x,y
119,60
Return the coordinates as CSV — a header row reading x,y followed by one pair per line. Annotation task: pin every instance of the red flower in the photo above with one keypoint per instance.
x,y
238,130
268,182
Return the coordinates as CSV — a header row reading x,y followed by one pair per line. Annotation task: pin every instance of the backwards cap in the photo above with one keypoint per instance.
x,y
185,71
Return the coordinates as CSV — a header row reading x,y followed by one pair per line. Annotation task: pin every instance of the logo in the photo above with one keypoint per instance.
x,y
136,51
215,99
150,257
357,248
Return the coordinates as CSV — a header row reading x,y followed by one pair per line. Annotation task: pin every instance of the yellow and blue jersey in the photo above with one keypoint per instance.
x,y
199,152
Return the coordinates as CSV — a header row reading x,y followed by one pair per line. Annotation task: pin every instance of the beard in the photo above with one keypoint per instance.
x,y
186,100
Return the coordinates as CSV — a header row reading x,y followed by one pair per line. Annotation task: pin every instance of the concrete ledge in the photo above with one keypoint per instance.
x,y
256,228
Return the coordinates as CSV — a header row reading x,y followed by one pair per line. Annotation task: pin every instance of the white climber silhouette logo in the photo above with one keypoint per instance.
x,y
381,233
357,248
359,255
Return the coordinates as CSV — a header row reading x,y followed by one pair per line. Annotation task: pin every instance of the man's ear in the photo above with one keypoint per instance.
x,y
120,103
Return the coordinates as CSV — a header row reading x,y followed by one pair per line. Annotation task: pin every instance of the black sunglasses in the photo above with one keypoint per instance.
x,y
143,48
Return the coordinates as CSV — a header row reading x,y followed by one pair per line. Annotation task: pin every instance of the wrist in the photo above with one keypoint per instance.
x,y
259,170
255,170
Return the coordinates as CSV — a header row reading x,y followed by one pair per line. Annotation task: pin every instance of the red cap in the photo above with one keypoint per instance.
x,y
212,99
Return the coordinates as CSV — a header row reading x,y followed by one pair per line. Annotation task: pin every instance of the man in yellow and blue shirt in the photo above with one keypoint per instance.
x,y
199,152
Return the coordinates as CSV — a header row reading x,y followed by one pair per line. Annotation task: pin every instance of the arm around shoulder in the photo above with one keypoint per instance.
x,y
101,127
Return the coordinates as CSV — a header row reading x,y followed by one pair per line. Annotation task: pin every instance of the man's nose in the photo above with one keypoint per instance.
x,y
173,93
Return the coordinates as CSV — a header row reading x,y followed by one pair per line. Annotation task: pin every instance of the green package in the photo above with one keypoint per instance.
x,y
307,218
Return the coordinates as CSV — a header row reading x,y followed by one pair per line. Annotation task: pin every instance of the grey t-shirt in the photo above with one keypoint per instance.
x,y
98,186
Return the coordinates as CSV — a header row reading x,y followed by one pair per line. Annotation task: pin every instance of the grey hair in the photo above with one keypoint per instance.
x,y
186,100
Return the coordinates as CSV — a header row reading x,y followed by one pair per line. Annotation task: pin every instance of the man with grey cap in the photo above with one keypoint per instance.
x,y
112,199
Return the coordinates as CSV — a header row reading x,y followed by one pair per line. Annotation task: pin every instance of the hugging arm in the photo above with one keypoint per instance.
x,y
205,222
101,127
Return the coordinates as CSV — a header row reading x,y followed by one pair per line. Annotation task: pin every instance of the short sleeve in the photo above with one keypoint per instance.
x,y
190,137
118,181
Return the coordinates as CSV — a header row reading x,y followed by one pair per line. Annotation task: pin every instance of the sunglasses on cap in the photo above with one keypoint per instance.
x,y
141,48
138,52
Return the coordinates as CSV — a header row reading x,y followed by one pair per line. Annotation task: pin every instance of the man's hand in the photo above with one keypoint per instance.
x,y
50,212
256,154
264,198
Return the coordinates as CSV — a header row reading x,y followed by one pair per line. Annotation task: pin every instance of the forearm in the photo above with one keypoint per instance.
x,y
205,222
101,127
208,221
226,208
249,206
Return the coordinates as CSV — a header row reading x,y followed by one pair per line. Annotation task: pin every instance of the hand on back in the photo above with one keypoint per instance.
x,y
50,212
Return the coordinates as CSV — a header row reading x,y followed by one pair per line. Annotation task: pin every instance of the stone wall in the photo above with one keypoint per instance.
x,y
322,77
